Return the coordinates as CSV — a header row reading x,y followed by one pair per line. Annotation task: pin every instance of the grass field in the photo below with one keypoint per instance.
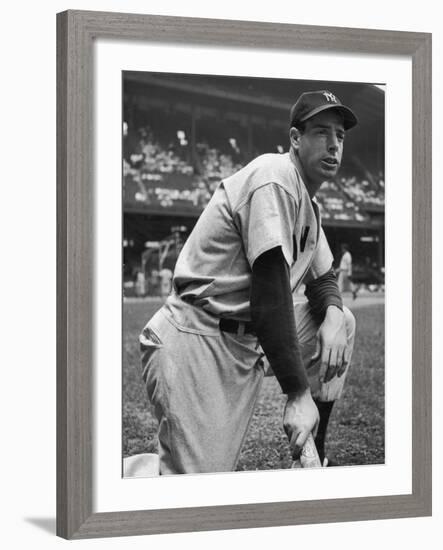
x,y
356,429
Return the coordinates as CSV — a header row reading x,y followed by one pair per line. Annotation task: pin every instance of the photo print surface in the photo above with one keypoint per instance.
x,y
253,274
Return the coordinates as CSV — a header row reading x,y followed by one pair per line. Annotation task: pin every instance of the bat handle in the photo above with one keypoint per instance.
x,y
309,456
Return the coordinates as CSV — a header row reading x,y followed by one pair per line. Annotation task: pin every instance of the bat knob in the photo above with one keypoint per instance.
x,y
309,456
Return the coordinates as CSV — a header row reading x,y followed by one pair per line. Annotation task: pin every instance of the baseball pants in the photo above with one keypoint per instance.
x,y
203,383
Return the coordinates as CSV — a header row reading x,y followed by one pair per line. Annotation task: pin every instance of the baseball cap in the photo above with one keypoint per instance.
x,y
312,103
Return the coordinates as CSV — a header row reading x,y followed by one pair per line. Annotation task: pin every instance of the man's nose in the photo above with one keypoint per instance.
x,y
333,144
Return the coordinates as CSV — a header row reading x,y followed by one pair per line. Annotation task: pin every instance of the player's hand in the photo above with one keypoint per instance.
x,y
299,420
332,345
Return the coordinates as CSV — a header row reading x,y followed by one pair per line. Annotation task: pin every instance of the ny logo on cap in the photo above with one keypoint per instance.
x,y
330,97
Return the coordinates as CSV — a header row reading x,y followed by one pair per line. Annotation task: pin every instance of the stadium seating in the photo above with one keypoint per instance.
x,y
370,191
336,205
157,172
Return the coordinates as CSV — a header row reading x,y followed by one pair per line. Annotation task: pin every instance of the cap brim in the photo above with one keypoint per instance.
x,y
349,119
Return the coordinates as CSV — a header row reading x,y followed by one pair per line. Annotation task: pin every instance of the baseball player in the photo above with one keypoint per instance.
x,y
345,270
257,241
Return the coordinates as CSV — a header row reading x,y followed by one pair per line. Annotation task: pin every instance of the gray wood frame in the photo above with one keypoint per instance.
x,y
76,31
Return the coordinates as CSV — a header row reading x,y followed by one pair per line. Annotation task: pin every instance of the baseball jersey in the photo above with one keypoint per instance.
x,y
260,207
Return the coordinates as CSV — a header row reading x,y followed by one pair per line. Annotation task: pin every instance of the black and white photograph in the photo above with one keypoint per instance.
x,y
253,274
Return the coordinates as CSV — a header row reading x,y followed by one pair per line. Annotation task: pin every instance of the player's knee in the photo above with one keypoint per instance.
x,y
350,322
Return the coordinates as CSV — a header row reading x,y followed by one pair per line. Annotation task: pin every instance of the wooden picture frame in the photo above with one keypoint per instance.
x,y
76,32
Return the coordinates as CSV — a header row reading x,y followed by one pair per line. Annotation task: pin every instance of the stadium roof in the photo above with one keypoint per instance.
x,y
366,99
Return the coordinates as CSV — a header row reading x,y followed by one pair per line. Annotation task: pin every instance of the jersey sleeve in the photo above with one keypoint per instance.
x,y
267,220
322,261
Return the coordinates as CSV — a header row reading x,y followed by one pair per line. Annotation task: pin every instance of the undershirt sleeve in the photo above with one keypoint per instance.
x,y
322,293
272,314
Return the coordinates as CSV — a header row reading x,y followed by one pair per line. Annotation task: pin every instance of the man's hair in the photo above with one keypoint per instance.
x,y
301,126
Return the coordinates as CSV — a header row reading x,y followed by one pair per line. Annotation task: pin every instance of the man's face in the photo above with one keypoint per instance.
x,y
320,146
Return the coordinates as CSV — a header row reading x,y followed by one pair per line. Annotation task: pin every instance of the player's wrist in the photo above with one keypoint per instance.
x,y
334,312
303,393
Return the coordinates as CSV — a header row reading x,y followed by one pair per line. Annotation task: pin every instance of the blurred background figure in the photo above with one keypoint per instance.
x,y
345,271
165,282
140,284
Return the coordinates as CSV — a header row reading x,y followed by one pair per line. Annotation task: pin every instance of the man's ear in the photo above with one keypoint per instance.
x,y
294,137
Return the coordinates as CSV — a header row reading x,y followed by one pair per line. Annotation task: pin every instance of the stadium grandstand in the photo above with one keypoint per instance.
x,y
182,134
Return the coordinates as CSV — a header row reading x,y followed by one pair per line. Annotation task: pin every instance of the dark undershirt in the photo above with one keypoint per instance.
x,y
322,293
272,314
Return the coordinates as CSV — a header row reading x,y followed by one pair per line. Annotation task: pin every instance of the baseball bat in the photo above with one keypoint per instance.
x,y
309,456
